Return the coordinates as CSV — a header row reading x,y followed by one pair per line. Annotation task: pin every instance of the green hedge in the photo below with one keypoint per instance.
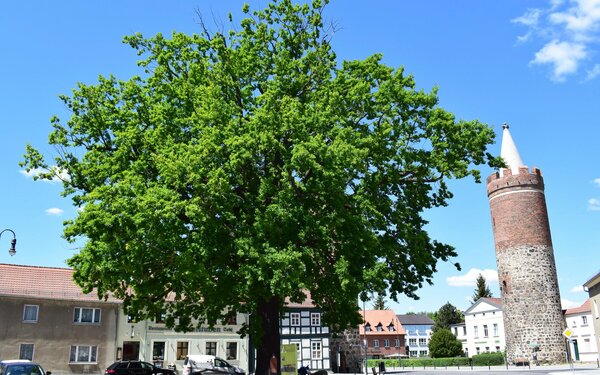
x,y
485,359
488,359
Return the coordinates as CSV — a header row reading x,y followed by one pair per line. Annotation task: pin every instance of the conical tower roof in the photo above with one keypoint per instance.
x,y
509,153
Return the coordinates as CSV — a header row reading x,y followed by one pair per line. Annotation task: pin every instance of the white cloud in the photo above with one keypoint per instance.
x,y
470,278
564,56
597,181
594,204
577,289
570,32
583,17
566,304
530,18
592,73
54,211
59,175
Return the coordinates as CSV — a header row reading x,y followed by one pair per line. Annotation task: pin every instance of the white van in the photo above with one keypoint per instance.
x,y
197,364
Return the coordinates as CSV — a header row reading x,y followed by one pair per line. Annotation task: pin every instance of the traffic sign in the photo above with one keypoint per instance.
x,y
568,333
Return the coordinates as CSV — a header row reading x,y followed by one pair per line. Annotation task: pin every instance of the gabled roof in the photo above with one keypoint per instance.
x,y
586,307
43,282
494,302
414,319
383,317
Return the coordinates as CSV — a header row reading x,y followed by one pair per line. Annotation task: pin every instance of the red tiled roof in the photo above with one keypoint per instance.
x,y
43,282
584,308
385,317
495,300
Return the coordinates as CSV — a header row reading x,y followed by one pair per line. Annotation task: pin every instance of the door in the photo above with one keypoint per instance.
x,y
575,350
131,350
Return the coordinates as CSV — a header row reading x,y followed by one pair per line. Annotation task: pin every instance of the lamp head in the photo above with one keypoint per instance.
x,y
13,244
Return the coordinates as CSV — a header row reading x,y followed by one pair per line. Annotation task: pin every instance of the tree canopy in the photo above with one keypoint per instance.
x,y
443,344
244,169
447,315
481,289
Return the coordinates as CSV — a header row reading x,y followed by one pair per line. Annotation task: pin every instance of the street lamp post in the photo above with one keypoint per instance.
x,y
13,242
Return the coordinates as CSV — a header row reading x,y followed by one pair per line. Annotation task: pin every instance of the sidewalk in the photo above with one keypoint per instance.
x,y
588,368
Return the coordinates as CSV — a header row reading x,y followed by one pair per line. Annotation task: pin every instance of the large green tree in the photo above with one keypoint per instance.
x,y
443,344
481,289
245,169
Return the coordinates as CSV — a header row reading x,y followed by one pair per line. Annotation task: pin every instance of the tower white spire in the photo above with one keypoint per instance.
x,y
508,151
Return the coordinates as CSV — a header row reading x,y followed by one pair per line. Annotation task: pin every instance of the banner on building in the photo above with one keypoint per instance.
x,y
289,359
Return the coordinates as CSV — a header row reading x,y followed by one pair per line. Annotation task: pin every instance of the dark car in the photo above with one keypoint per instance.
x,y
21,367
135,368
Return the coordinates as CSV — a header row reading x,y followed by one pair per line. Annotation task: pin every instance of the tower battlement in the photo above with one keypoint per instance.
x,y
508,180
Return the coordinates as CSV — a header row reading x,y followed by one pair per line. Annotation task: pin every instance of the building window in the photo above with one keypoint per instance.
x,y
376,343
412,342
485,330
30,313
86,315
379,327
391,328
386,343
464,330
584,320
295,319
26,352
423,353
413,353
315,319
158,351
231,350
396,343
476,333
455,331
83,354
367,327
495,329
497,348
232,321
477,350
316,350
211,348
422,341
159,318
182,350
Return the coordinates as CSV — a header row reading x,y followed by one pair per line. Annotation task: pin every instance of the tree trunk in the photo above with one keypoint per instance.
x,y
270,345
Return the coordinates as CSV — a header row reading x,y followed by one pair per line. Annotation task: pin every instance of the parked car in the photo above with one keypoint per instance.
x,y
197,364
135,368
21,367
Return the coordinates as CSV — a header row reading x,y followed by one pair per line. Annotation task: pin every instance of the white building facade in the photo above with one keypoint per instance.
x,y
153,342
582,343
485,327
417,330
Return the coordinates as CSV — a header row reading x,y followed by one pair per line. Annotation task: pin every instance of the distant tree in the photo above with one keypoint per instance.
x,y
481,289
379,303
443,344
447,315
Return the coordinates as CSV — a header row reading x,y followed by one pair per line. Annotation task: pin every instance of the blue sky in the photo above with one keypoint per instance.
x,y
534,64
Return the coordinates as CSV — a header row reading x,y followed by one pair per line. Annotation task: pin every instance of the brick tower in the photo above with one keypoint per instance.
x,y
531,305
